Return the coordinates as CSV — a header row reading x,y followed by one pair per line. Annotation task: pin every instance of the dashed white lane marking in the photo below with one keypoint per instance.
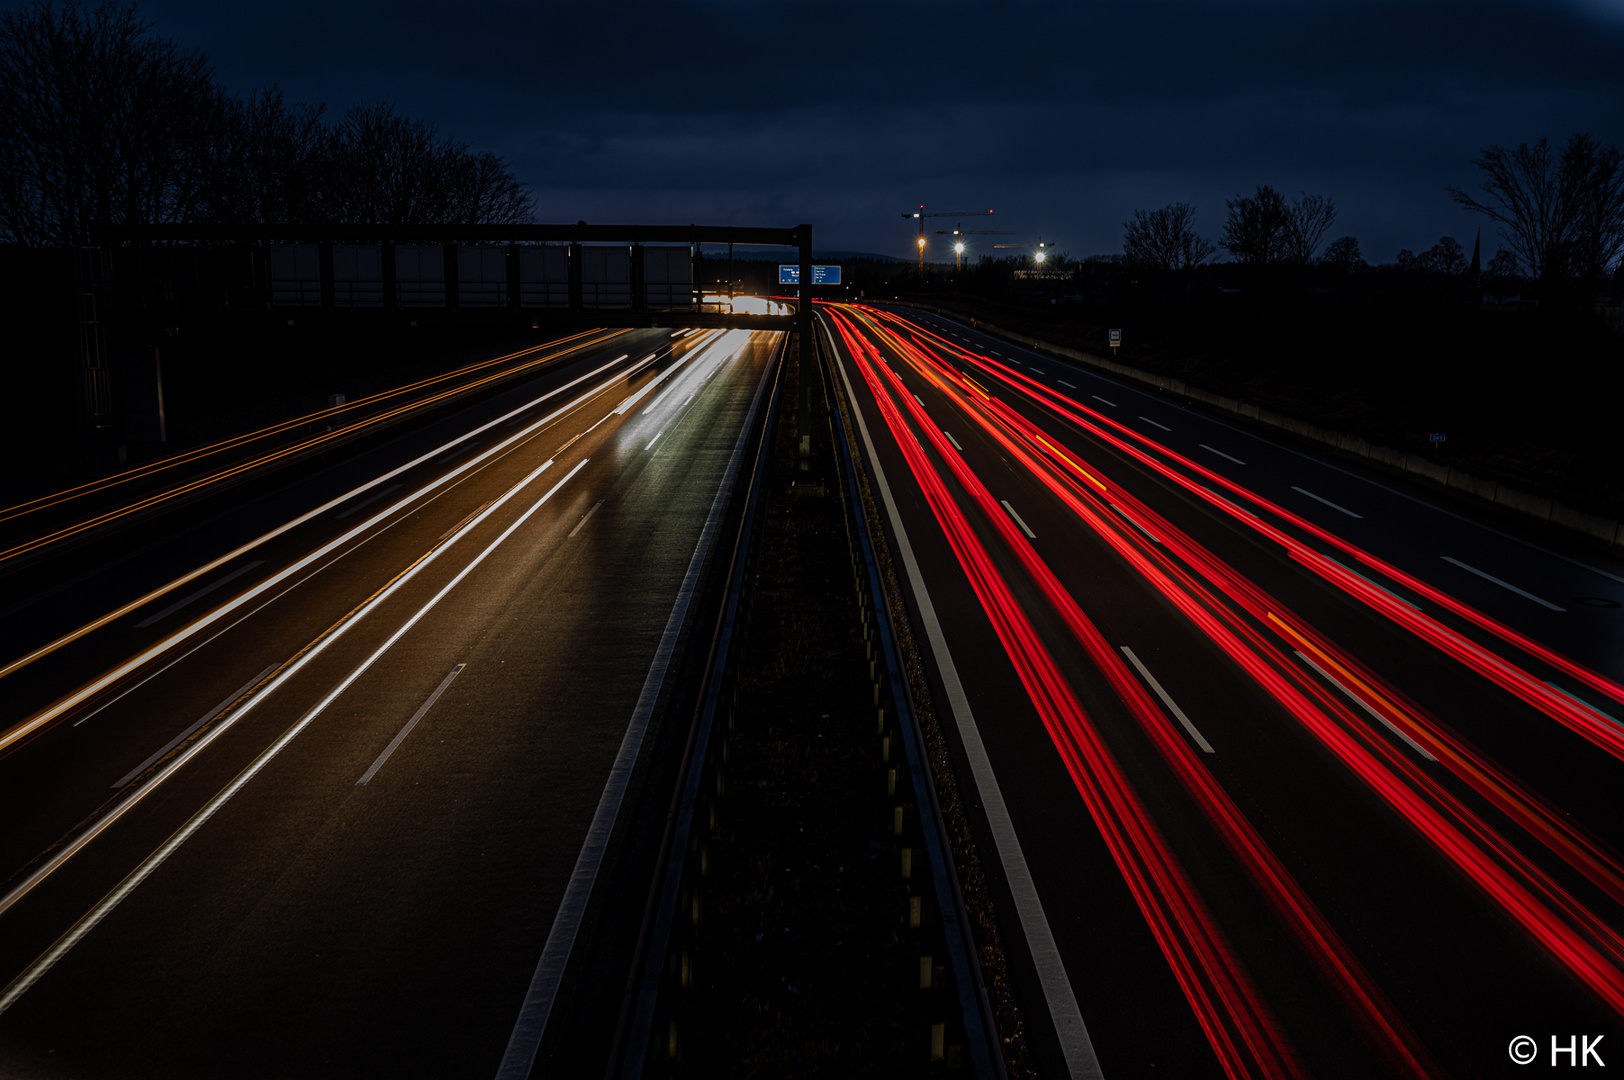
x,y
580,524
407,730
1221,454
1327,502
1575,698
1096,397
1365,705
64,944
1153,423
1503,584
1383,588
952,440
375,496
200,594
183,736
1030,535
1063,382
1039,370
537,1006
1167,700
1134,522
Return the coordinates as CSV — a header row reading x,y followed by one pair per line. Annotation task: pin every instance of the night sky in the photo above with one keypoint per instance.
x,y
1064,117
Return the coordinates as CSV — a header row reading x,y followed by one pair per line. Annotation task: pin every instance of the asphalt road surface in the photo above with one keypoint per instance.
x,y
311,800
1284,768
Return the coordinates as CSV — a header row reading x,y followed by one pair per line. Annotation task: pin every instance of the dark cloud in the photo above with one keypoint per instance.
x,y
1063,116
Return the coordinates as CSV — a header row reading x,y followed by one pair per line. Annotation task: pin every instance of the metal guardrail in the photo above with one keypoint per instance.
x,y
939,885
663,963
663,955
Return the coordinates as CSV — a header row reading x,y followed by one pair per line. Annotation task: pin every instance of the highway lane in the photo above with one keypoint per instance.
x,y
1534,577
1398,853
505,603
45,525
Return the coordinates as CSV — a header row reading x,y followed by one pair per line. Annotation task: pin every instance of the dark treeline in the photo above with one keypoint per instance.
x,y
102,122
1517,356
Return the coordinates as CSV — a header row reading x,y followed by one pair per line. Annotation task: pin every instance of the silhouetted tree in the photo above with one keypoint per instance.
x,y
1597,176
1343,253
1307,221
270,162
1446,257
1165,239
1561,216
383,168
1503,267
100,122
1255,232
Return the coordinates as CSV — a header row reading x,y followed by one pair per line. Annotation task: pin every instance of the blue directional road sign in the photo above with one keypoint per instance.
x,y
790,274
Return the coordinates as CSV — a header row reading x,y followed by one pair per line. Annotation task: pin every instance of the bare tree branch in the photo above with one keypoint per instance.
x,y
1165,239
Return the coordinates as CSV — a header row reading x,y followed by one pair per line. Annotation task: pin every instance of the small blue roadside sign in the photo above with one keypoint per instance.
x,y
1116,338
790,274
1436,436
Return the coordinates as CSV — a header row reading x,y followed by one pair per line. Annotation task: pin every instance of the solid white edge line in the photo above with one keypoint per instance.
x,y
1075,1045
1220,453
1167,700
1503,584
531,1023
1327,502
1030,535
60,948
1153,423
400,736
1365,705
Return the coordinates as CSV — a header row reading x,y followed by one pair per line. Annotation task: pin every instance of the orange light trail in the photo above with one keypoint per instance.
x,y
304,446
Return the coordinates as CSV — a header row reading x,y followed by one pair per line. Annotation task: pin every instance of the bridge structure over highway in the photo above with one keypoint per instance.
x,y
142,279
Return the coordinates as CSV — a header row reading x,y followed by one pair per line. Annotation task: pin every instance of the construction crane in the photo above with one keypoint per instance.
x,y
922,214
1037,256
958,245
